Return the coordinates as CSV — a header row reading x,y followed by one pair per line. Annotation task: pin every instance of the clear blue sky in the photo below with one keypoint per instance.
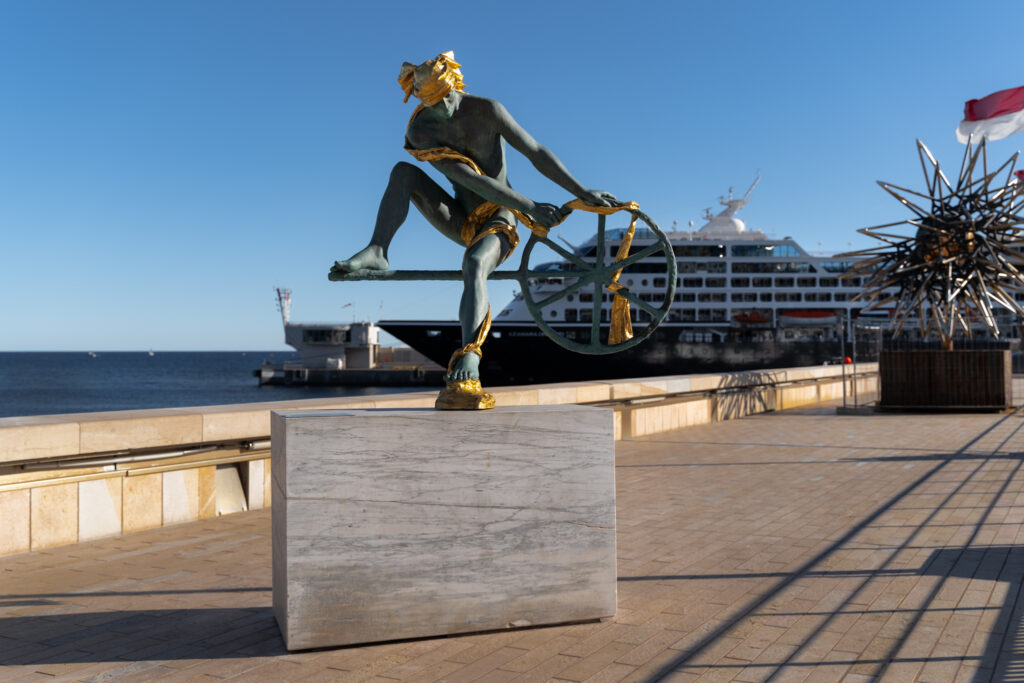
x,y
163,165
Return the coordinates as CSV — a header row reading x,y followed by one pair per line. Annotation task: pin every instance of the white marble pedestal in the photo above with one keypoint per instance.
x,y
392,524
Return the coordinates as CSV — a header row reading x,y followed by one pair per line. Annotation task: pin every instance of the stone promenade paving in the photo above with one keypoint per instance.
x,y
796,546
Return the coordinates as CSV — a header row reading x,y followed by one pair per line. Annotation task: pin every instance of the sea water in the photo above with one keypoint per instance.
x,y
44,383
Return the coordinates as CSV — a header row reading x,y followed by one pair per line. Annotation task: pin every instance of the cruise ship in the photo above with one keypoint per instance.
x,y
742,301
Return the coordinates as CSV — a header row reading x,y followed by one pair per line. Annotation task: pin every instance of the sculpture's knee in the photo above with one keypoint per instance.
x,y
404,173
476,267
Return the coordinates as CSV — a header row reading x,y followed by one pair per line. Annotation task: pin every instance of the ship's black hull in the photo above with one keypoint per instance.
x,y
519,353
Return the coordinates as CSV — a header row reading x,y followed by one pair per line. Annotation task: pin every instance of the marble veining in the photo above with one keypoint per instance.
x,y
404,523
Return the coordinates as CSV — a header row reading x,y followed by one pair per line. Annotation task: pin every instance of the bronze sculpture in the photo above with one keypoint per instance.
x,y
463,136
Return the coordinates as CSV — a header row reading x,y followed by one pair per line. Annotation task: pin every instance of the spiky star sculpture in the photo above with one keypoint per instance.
x,y
961,257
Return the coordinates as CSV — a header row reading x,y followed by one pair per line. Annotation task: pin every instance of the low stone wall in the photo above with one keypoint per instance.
x,y
701,399
42,508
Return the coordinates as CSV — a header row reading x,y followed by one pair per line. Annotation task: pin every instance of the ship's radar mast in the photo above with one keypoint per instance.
x,y
725,223
284,303
734,205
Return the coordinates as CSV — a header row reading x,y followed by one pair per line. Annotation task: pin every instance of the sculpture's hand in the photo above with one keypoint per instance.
x,y
599,198
547,215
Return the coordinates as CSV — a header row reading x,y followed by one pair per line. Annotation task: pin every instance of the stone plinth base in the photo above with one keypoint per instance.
x,y
962,379
391,524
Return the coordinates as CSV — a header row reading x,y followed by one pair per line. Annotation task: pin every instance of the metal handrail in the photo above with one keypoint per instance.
x,y
131,455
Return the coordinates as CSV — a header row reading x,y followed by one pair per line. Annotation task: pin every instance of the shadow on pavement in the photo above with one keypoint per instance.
x,y
1002,657
140,635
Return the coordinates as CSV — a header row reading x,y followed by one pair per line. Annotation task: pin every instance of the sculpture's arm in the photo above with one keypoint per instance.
x,y
543,159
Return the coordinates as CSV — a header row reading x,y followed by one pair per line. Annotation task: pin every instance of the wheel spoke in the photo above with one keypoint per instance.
x,y
579,284
643,253
596,272
567,255
634,299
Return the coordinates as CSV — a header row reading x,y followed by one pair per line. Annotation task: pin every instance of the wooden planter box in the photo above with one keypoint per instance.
x,y
974,379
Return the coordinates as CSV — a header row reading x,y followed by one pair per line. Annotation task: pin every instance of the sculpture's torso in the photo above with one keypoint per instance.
x,y
473,131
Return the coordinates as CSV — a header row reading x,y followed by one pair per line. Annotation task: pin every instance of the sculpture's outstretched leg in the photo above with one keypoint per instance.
x,y
407,184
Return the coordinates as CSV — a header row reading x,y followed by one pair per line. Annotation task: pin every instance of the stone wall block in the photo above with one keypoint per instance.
x,y
19,441
142,429
556,395
207,491
252,481
636,388
142,502
511,396
99,508
799,395
15,516
591,392
180,494
54,515
238,424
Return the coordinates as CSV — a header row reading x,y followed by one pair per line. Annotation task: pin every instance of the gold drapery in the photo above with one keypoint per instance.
x,y
620,328
475,345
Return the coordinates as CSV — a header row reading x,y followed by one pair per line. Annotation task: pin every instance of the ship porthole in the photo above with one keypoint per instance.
x,y
570,298
643,283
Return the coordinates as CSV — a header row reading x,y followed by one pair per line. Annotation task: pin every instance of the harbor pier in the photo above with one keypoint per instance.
x,y
788,541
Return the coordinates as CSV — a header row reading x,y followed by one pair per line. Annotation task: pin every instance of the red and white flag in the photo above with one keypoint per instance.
x,y
993,117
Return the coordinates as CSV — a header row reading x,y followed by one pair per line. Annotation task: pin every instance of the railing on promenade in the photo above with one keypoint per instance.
x,y
66,479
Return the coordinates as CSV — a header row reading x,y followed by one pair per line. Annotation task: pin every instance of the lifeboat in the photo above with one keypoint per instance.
x,y
752,318
805,318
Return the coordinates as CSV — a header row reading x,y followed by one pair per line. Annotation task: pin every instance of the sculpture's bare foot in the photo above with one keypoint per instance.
x,y
369,258
466,368
462,390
